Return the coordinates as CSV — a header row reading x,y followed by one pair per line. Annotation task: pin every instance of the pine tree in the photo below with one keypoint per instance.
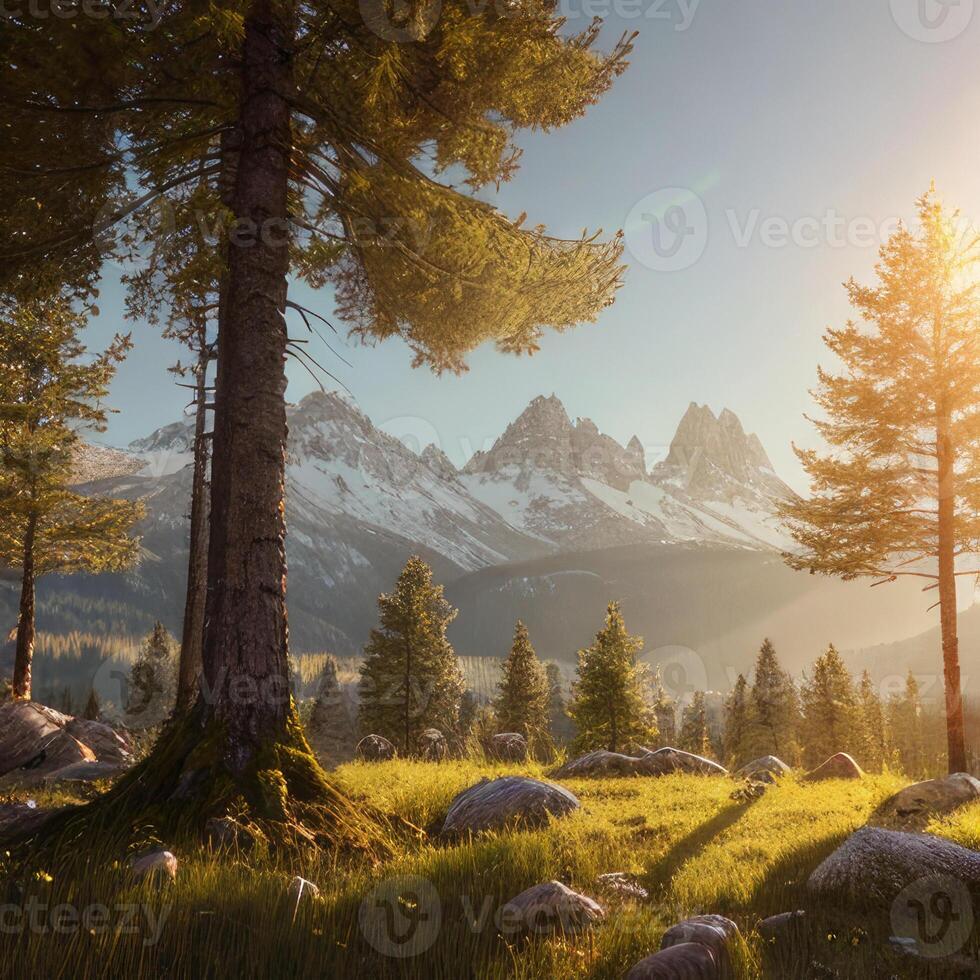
x,y
773,710
907,730
737,722
49,392
331,728
899,494
523,694
560,724
695,736
608,704
342,137
410,677
664,712
152,681
873,723
832,719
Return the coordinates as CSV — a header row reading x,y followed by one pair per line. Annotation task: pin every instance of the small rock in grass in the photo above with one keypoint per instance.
x,y
714,931
433,745
621,883
375,748
839,766
785,929
155,866
506,802
688,961
509,746
548,908
766,764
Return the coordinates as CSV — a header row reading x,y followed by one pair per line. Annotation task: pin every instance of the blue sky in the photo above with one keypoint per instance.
x,y
789,133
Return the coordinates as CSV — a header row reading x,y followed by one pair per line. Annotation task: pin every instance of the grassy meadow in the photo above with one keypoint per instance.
x,y
684,838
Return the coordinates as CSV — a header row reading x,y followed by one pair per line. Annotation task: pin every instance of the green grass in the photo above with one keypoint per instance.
x,y
688,843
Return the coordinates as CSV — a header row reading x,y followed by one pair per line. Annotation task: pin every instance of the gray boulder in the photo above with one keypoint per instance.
x,y
107,744
509,747
432,745
925,799
375,748
873,866
839,766
549,908
669,760
770,764
600,762
506,802
688,961
86,771
714,931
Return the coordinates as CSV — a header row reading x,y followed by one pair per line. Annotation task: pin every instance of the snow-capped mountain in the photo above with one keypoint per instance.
x,y
359,502
568,484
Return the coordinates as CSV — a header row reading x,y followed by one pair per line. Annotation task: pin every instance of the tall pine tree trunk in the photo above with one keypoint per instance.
x,y
192,636
245,643
24,654
947,595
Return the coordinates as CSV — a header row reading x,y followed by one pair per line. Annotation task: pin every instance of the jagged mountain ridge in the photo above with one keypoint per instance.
x,y
569,484
359,502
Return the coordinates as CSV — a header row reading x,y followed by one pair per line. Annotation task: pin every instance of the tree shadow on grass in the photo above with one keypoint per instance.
x,y
659,878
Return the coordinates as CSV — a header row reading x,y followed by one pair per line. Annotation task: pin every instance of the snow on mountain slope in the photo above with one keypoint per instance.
x,y
569,484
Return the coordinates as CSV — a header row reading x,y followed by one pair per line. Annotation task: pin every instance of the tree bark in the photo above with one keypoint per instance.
x,y
956,741
24,655
245,641
192,637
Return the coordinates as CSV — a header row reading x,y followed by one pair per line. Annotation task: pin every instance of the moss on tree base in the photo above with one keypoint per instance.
x,y
185,781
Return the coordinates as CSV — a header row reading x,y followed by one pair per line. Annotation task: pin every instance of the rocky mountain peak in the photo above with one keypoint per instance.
x,y
711,457
543,438
438,462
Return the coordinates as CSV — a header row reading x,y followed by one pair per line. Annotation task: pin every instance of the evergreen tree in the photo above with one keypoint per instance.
x,y
873,723
560,724
49,391
737,722
832,719
608,705
152,681
899,493
410,677
342,137
907,730
774,709
92,710
695,736
469,706
331,728
523,694
664,711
